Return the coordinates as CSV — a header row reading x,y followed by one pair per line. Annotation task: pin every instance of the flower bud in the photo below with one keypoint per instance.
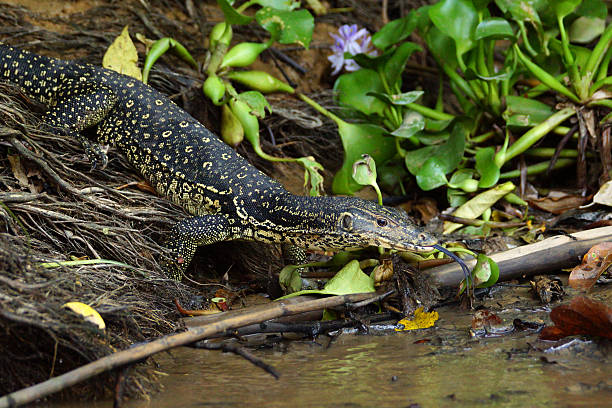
x,y
243,54
232,132
469,185
249,122
260,81
214,89
219,35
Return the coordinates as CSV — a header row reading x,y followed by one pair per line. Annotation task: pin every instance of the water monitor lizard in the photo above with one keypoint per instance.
x,y
227,197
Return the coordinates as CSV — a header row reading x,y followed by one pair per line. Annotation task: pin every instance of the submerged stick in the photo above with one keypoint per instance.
x,y
285,307
551,254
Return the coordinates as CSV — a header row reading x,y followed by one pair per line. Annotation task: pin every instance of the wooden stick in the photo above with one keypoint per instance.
x,y
277,309
551,254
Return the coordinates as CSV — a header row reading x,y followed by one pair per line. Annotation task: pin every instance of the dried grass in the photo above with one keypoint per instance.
x,y
67,213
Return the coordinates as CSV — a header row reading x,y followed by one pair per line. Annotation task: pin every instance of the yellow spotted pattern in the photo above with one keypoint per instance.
x,y
227,197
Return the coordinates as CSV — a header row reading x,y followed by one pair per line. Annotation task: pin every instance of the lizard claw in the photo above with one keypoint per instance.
x,y
96,156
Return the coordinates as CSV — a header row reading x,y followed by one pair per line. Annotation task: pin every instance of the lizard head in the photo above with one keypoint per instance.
x,y
358,223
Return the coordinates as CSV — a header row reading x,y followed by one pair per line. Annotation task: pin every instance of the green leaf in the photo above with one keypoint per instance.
x,y
486,167
358,139
231,15
593,8
443,48
486,272
470,74
445,159
457,19
586,29
372,62
462,178
475,207
348,280
431,175
525,112
415,159
455,197
296,26
563,8
412,124
481,4
286,5
352,90
290,279
394,67
395,31
364,171
521,10
399,100
494,28
256,101
433,125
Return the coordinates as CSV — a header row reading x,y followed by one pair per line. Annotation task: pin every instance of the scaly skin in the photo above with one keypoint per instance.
x,y
227,197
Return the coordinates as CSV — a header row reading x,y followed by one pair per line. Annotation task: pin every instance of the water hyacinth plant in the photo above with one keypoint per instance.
x,y
488,52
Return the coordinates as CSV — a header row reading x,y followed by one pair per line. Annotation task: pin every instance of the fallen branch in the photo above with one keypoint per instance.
x,y
139,352
548,255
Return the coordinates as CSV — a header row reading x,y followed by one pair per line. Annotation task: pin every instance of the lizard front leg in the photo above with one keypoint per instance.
x,y
190,233
80,105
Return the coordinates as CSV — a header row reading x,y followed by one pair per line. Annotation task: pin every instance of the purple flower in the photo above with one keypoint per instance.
x,y
353,41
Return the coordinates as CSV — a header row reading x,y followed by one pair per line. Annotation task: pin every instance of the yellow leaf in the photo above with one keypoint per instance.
x,y
88,313
421,320
122,56
475,207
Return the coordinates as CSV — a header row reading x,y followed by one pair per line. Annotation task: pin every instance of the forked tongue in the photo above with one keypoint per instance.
x,y
466,270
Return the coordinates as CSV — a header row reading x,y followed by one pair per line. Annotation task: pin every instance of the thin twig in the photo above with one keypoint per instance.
x,y
240,351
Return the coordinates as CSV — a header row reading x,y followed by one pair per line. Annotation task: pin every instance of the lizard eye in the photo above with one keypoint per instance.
x,y
381,222
346,221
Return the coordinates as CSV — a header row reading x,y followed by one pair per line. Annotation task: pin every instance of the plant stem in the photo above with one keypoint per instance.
x,y
430,113
482,138
536,133
537,168
245,6
600,50
570,64
319,108
544,76
550,152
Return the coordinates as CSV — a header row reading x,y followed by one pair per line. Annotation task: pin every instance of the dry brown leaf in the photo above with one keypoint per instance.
x,y
581,316
594,263
558,204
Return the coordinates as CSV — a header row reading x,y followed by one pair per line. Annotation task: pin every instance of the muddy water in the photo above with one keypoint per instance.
x,y
452,369
362,371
